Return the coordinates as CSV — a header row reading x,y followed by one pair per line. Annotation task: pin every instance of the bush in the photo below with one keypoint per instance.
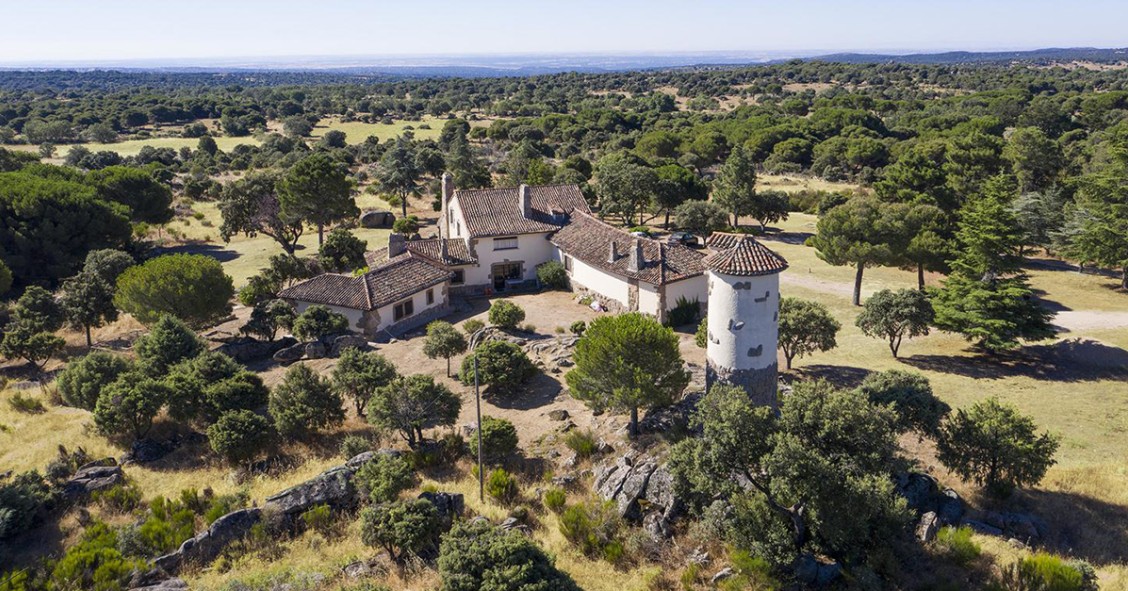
x,y
911,396
23,502
581,442
684,312
128,406
701,337
384,478
1046,572
502,486
505,314
502,366
481,557
205,387
577,328
555,499
26,404
956,543
123,498
553,275
354,445
82,381
499,438
305,402
473,325
318,518
593,528
168,343
240,435
94,563
318,322
407,226
401,528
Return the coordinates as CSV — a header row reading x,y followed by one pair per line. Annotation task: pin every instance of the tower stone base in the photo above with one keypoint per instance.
x,y
761,384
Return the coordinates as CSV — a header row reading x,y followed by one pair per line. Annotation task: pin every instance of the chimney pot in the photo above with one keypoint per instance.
x,y
523,198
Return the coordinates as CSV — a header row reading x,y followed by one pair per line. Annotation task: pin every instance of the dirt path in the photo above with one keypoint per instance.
x,y
1070,320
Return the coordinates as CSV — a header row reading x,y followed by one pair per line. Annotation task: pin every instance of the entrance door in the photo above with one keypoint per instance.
x,y
504,272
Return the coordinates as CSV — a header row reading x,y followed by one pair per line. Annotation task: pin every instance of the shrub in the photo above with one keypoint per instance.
x,y
505,314
499,438
23,502
26,404
94,563
318,322
123,498
240,435
473,325
481,557
354,445
128,406
593,528
205,387
1046,572
305,402
502,486
406,226
318,518
911,396
701,337
684,312
82,381
578,327
169,342
502,366
581,442
410,404
956,543
555,499
384,478
552,275
401,528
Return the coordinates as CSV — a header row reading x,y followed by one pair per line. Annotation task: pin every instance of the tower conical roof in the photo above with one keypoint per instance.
x,y
746,257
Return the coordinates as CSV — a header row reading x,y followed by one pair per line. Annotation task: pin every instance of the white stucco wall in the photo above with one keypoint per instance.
x,y
355,316
387,313
648,302
532,250
732,300
692,288
457,223
605,284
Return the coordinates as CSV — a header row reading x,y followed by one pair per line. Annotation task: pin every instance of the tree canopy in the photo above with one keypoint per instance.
x,y
190,287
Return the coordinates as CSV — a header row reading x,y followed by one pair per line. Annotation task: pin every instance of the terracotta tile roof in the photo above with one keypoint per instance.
x,y
386,283
497,211
742,255
589,240
457,255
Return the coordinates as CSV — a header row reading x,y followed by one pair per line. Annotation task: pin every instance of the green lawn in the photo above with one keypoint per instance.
x,y
357,131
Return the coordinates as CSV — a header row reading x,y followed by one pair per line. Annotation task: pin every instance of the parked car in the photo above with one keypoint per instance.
x,y
684,238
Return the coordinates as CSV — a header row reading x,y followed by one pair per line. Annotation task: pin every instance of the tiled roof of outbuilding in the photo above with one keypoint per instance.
x,y
589,240
457,253
742,255
384,284
497,211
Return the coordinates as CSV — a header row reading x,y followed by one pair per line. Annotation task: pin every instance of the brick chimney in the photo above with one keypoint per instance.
x,y
523,199
397,244
636,261
613,255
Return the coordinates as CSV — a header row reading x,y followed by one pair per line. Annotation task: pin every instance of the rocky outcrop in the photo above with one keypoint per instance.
x,y
345,341
289,354
330,346
673,418
927,526
93,477
206,546
937,508
809,571
448,505
642,489
923,495
246,349
333,487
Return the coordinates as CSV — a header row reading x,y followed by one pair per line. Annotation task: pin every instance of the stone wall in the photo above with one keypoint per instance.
x,y
761,384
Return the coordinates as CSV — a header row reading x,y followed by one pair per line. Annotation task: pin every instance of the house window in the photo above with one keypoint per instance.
x,y
403,310
430,296
568,263
459,277
508,243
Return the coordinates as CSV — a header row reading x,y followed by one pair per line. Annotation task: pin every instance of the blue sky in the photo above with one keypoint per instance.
x,y
43,31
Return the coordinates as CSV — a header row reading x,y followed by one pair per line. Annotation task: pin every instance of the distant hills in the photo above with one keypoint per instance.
x,y
531,64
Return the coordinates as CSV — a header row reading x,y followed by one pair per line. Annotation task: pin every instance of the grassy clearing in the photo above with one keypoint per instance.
x,y
796,183
358,131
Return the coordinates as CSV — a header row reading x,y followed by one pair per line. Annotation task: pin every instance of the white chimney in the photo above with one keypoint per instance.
x,y
636,261
444,210
523,199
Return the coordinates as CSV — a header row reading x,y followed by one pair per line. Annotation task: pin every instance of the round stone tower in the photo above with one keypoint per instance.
x,y
743,317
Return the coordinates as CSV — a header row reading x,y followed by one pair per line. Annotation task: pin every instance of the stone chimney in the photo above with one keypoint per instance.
x,y
523,199
613,255
397,244
444,210
442,249
636,261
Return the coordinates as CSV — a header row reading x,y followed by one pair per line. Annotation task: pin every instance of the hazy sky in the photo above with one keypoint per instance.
x,y
50,30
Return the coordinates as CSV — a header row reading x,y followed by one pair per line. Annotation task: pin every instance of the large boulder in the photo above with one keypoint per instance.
x,y
206,546
93,477
289,354
377,219
673,418
347,340
315,350
927,526
642,489
333,487
449,505
246,349
919,490
147,450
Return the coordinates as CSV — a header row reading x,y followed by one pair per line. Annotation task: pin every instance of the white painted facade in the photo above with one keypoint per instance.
x,y
419,301
532,250
743,321
692,288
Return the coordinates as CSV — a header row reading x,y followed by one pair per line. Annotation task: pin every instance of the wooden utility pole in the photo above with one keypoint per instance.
x,y
478,403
